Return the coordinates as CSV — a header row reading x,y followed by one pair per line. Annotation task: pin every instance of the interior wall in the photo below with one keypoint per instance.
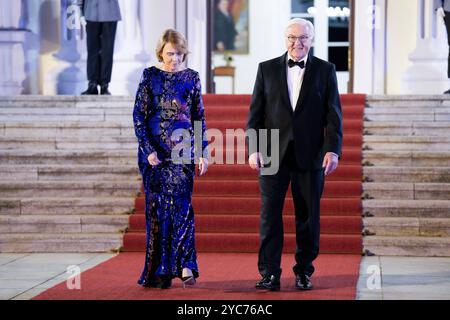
x,y
401,39
267,19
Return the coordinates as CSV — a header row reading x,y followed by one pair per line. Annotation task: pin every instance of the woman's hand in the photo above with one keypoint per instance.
x,y
202,166
153,159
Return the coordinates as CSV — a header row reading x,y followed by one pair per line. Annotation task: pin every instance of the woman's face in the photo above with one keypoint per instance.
x,y
172,58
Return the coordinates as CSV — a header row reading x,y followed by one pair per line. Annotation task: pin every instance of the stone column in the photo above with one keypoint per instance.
x,y
428,72
12,39
129,60
196,21
70,76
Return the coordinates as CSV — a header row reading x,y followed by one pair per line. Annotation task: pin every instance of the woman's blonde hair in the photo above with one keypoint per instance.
x,y
176,39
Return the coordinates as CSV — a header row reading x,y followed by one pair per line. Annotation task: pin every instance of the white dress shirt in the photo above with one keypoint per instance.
x,y
295,80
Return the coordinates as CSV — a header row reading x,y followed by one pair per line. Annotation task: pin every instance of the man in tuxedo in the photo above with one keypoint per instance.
x,y
297,95
100,18
442,8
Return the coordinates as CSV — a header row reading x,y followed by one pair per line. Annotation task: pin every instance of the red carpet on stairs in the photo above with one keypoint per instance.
x,y
226,201
226,204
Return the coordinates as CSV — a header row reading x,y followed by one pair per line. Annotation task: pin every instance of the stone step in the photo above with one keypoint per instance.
x,y
407,143
425,227
44,111
407,174
62,242
67,129
404,191
406,208
13,115
69,158
422,110
71,173
67,206
129,157
408,246
400,101
411,128
37,101
53,117
63,224
69,143
92,128
406,158
16,189
409,116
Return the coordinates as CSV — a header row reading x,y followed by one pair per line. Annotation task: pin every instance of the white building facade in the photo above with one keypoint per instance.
x,y
398,47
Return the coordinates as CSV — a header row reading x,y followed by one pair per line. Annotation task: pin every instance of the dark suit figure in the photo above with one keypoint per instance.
x,y
297,94
101,18
445,5
224,28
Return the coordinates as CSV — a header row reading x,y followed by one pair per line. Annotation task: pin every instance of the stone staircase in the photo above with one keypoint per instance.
x,y
406,161
68,173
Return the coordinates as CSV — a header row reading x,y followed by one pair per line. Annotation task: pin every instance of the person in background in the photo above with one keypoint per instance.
x,y
100,18
224,28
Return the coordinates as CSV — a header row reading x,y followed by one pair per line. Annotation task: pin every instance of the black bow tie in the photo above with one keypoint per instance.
x,y
292,63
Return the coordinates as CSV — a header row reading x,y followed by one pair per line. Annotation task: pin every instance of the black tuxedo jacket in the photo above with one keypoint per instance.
x,y
315,125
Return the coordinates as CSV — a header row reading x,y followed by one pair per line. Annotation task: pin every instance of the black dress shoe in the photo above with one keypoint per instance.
x,y
104,90
165,283
303,282
447,92
270,283
160,283
91,90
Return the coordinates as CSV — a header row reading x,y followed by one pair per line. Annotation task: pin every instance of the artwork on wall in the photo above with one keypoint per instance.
x,y
231,24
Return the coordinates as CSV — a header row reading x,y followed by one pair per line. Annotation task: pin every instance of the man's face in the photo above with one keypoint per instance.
x,y
223,5
298,41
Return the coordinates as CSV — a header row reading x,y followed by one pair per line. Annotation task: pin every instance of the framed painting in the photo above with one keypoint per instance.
x,y
230,26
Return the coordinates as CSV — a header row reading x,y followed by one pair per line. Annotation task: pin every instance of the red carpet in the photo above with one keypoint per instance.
x,y
226,204
226,201
221,278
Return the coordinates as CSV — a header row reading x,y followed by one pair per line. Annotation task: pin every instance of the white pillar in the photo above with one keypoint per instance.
x,y
196,34
10,14
128,60
370,47
70,75
428,72
12,39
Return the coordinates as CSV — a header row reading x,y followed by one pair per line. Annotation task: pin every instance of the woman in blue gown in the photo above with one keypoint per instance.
x,y
168,107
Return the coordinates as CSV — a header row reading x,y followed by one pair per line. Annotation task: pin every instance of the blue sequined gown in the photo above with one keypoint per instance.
x,y
165,102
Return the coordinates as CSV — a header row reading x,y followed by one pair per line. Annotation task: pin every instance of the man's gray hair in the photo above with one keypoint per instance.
x,y
303,23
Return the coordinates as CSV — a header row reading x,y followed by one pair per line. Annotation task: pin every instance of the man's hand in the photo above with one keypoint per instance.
x,y
202,166
256,161
83,22
153,159
440,13
330,163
